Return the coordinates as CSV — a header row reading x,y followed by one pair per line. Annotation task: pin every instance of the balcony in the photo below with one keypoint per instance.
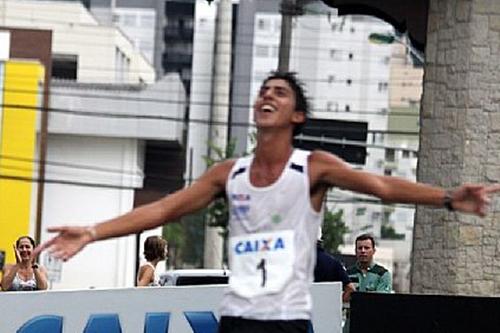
x,y
176,61
175,33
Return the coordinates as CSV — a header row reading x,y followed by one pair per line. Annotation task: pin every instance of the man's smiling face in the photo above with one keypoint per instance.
x,y
275,106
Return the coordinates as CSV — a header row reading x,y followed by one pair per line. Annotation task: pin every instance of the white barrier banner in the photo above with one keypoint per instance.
x,y
180,309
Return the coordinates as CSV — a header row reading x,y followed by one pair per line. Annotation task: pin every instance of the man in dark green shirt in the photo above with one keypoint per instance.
x,y
365,274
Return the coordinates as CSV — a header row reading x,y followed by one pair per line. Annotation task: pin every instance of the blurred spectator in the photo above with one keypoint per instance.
x,y
365,274
329,269
155,250
25,274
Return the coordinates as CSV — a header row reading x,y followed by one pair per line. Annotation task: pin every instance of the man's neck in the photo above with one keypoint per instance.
x,y
364,266
273,148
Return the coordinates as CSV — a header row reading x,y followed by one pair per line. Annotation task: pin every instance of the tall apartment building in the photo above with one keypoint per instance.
x,y
346,76
405,89
161,29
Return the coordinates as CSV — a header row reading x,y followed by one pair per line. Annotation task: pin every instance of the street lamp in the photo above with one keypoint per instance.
x,y
378,38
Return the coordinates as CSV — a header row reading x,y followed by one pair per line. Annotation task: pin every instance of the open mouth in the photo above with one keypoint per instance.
x,y
267,108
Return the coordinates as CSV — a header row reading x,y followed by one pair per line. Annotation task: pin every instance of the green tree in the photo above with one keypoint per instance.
x,y
218,213
176,238
186,239
333,230
388,232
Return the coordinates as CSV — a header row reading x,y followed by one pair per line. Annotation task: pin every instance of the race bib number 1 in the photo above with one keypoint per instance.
x,y
261,263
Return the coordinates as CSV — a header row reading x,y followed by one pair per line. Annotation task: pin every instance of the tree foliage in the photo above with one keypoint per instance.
x,y
218,212
333,230
388,232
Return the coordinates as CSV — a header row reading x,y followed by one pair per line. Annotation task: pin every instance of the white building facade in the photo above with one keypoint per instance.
x,y
346,77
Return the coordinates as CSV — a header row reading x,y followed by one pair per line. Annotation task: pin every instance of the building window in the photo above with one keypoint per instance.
x,y
378,138
129,20
349,82
263,24
65,66
147,21
347,108
351,56
332,106
360,211
388,172
382,86
390,155
262,51
406,154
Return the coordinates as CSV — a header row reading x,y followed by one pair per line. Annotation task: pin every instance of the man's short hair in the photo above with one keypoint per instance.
x,y
365,237
301,100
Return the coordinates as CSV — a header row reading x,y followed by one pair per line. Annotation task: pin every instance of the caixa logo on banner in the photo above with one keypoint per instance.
x,y
156,322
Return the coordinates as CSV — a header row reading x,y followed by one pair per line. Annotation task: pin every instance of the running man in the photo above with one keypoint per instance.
x,y
275,198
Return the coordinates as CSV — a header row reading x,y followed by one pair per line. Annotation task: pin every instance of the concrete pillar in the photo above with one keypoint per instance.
x,y
213,253
460,142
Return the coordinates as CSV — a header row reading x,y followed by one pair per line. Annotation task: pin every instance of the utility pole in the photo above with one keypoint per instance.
x,y
218,134
288,9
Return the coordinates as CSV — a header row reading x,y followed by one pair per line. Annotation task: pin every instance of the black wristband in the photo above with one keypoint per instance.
x,y
34,266
448,202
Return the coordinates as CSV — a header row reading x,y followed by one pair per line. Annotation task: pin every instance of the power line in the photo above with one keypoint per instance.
x,y
67,165
66,182
404,81
200,103
157,117
122,187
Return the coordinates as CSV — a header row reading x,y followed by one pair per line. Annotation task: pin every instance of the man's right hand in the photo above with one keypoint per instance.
x,y
67,243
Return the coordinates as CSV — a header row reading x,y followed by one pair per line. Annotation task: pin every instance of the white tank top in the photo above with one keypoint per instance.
x,y
18,284
156,278
271,245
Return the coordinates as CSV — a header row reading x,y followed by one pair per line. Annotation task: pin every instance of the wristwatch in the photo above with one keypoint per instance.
x,y
34,266
448,201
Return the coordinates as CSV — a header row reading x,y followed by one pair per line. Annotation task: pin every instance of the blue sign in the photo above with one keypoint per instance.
x,y
155,322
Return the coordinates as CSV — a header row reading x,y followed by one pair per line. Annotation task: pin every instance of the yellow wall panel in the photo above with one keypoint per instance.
x,y
21,95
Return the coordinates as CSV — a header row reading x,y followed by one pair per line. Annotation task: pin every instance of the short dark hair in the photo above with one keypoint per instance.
x,y
301,99
154,248
365,237
32,241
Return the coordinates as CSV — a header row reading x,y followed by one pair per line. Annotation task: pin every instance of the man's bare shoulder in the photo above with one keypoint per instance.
x,y
219,172
319,158
325,168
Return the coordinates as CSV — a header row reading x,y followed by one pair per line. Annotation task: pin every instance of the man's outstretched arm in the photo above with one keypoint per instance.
x,y
332,171
71,239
